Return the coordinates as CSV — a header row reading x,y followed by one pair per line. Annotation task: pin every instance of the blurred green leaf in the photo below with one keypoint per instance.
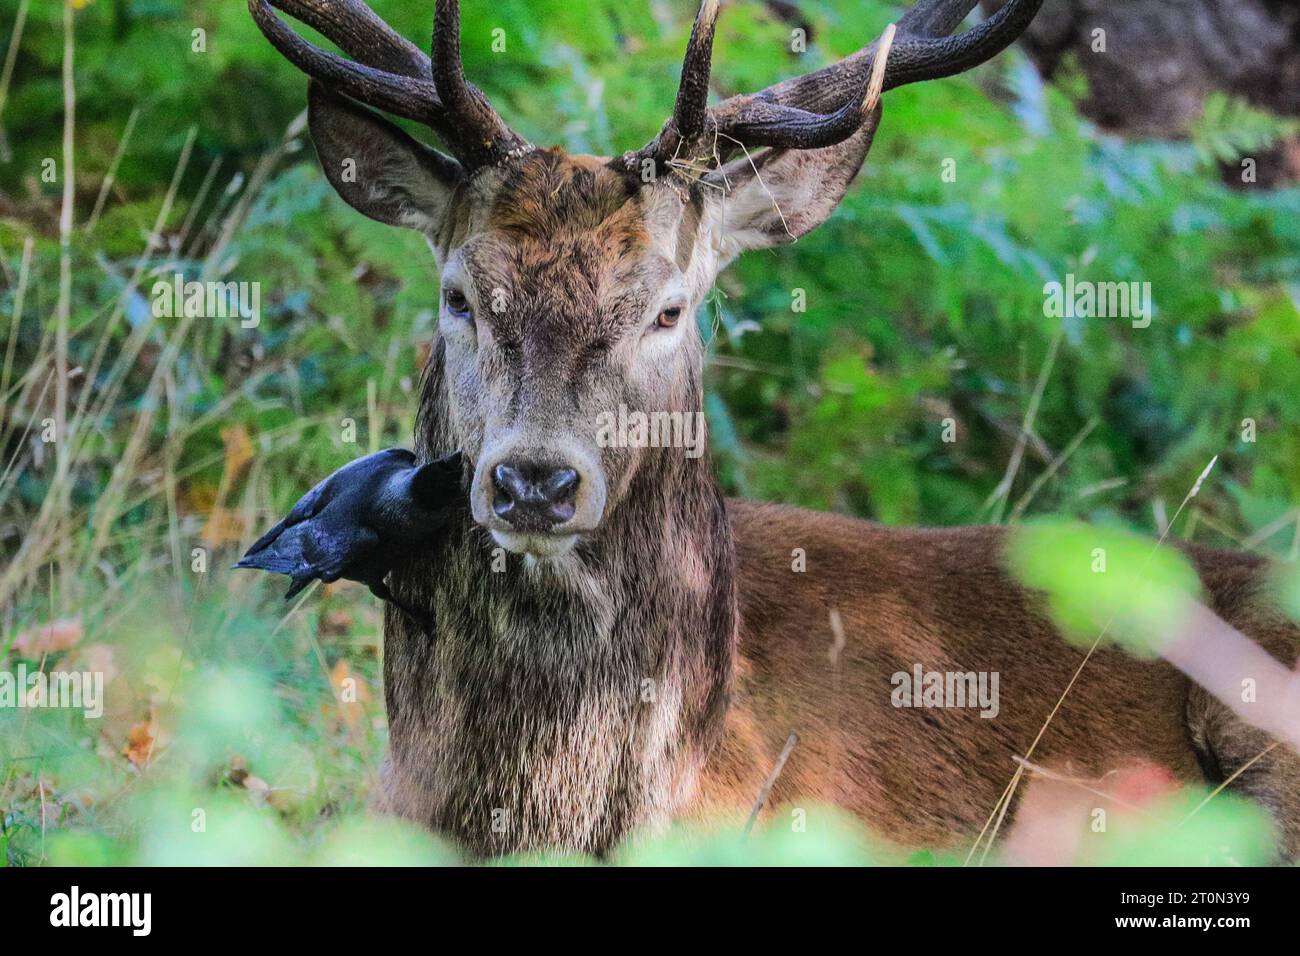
x,y
1104,582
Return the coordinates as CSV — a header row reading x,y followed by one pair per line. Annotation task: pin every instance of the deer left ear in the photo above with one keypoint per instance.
x,y
376,167
777,196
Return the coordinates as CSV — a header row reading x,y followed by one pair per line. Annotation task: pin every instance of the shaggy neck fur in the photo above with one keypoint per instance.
x,y
562,705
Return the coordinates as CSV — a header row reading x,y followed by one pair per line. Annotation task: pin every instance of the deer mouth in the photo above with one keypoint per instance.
x,y
540,545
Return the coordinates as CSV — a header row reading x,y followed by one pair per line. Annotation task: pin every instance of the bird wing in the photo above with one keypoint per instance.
x,y
310,504
330,552
283,553
307,507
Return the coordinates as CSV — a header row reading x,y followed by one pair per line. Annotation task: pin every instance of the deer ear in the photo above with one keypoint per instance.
x,y
777,196
376,167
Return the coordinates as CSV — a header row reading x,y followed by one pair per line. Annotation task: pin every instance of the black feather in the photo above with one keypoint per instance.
x,y
361,521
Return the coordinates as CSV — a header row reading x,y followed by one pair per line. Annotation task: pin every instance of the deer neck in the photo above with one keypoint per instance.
x,y
565,703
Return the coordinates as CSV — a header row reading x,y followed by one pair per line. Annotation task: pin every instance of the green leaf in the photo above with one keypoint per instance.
x,y
1104,583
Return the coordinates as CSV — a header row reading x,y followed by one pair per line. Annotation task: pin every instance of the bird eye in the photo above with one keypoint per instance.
x,y
668,317
457,304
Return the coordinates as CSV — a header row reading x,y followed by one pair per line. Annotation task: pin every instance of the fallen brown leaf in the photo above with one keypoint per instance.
x,y
223,526
238,450
141,740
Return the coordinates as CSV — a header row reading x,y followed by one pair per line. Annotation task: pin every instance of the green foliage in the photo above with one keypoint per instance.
x,y
1230,128
824,836
1226,831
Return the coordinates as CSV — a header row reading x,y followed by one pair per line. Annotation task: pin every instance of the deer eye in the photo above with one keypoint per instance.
x,y
668,317
457,304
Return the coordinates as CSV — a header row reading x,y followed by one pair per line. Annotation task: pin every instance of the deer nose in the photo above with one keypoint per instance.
x,y
533,497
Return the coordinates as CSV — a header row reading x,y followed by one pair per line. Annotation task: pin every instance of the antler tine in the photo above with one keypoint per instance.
x,y
690,115
934,18
484,130
403,95
827,106
692,107
759,122
362,33
391,74
922,51
932,56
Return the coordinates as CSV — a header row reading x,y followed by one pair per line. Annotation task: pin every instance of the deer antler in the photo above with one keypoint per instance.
x,y
826,106
390,73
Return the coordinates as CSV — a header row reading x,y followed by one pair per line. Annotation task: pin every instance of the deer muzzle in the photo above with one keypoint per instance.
x,y
538,501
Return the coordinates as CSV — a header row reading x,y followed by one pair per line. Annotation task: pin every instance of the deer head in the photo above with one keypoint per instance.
x,y
569,283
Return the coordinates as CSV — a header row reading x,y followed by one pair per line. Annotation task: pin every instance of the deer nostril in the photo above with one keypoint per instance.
x,y
560,491
532,497
561,485
507,487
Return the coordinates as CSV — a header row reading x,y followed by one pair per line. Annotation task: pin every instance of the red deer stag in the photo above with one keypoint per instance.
x,y
614,645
